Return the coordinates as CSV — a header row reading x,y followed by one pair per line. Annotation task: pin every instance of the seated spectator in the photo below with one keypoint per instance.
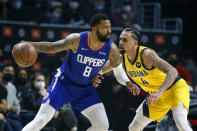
x,y
55,15
97,6
17,11
74,13
31,97
31,101
192,68
125,17
183,72
13,107
4,124
22,81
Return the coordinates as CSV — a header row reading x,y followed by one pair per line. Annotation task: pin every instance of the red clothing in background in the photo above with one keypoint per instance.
x,y
183,72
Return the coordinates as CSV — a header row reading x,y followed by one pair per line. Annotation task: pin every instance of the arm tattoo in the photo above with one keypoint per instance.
x,y
151,59
114,56
70,42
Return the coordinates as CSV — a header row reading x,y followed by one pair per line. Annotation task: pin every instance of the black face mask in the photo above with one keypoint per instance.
x,y
8,77
21,81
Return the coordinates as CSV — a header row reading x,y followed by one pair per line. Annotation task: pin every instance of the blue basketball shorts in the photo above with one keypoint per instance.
x,y
62,91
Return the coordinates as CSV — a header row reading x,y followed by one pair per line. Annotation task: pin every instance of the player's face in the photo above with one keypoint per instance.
x,y
126,42
103,31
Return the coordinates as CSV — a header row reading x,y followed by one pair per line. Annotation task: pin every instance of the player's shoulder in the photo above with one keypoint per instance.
x,y
73,36
114,46
147,52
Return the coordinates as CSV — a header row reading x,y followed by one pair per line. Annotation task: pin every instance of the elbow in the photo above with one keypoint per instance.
x,y
173,72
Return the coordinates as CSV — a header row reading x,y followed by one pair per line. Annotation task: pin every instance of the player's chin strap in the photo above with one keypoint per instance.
x,y
120,75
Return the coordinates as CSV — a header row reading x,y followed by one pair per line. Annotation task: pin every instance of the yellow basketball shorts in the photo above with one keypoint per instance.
x,y
178,93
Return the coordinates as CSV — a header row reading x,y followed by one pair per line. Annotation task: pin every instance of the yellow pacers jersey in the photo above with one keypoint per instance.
x,y
150,81
147,79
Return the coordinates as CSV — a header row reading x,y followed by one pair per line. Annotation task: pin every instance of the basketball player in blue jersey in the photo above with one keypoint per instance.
x,y
88,53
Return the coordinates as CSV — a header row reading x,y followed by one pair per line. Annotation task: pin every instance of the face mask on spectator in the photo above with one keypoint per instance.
x,y
73,5
99,7
8,77
17,4
21,81
127,8
39,85
56,14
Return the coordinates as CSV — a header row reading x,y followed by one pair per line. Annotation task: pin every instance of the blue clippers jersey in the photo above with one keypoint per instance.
x,y
85,63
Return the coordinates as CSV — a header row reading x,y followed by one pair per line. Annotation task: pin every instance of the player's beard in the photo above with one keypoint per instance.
x,y
102,38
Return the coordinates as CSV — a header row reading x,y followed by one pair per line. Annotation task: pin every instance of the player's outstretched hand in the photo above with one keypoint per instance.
x,y
133,88
153,98
96,80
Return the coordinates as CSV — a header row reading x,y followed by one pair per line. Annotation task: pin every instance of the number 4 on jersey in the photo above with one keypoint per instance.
x,y
144,82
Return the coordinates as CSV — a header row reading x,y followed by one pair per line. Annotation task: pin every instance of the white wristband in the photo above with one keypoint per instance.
x,y
120,75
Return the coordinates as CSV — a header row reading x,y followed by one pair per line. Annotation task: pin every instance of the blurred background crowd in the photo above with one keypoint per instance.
x,y
22,89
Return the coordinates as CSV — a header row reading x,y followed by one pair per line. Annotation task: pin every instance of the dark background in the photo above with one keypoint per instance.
x,y
187,10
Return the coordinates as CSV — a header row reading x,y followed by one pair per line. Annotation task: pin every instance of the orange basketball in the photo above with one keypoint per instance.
x,y
24,54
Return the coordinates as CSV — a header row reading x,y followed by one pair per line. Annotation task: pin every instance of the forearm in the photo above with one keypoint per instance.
x,y
44,47
121,75
170,78
49,47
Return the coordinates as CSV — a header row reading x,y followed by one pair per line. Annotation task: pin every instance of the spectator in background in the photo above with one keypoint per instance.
x,y
55,15
4,124
73,13
17,11
32,96
31,101
13,107
192,68
40,8
183,72
97,6
125,17
22,79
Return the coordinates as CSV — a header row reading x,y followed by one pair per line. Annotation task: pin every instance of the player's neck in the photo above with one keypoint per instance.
x,y
94,41
132,54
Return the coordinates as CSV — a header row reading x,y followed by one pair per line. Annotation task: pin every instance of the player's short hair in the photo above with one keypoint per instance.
x,y
95,20
134,33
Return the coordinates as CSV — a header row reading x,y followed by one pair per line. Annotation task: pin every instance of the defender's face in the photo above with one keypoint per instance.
x,y
126,42
103,30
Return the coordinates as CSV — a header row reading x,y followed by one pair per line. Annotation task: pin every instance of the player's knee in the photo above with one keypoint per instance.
x,y
102,125
105,125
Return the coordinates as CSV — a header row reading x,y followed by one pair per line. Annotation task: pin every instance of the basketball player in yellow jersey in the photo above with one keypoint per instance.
x,y
152,74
